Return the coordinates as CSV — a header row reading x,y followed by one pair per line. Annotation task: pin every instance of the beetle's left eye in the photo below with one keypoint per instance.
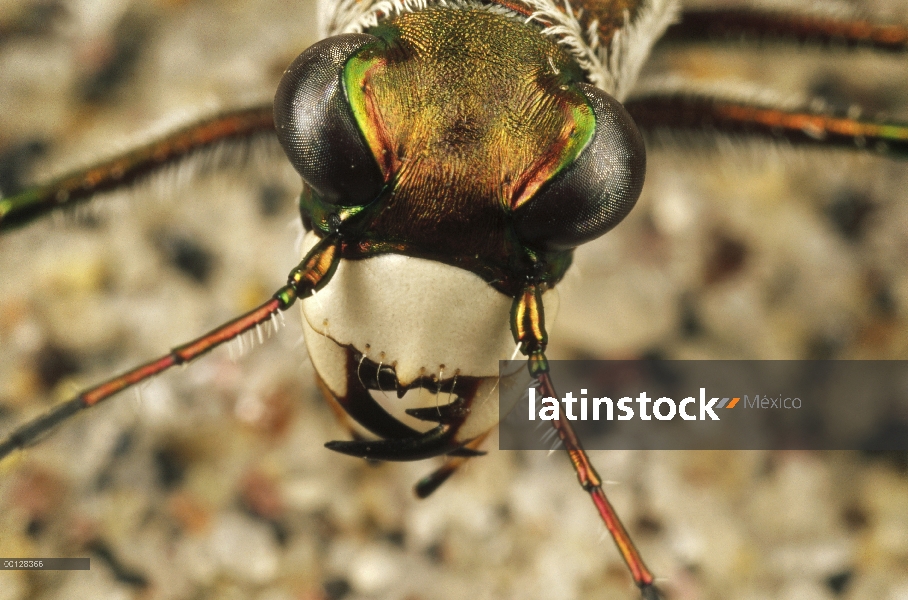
x,y
597,191
316,127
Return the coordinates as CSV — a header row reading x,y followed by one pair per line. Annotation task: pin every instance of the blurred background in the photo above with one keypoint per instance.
x,y
212,481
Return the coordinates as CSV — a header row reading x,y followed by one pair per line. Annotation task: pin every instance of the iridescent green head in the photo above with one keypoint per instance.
x,y
462,135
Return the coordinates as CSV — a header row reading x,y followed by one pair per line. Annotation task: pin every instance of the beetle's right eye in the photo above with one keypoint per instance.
x,y
316,128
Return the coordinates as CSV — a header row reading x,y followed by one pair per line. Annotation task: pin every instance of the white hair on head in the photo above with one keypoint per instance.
x,y
613,68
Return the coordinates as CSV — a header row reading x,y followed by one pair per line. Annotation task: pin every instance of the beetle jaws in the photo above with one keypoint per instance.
x,y
374,312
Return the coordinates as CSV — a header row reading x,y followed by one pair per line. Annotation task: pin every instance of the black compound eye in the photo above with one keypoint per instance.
x,y
597,191
316,126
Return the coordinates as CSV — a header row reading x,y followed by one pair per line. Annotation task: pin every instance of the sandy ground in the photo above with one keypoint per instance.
x,y
213,481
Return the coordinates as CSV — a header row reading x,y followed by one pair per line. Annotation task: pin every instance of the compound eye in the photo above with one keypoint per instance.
x,y
316,128
594,193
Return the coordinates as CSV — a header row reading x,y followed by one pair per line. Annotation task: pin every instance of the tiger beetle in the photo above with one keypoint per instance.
x,y
469,147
